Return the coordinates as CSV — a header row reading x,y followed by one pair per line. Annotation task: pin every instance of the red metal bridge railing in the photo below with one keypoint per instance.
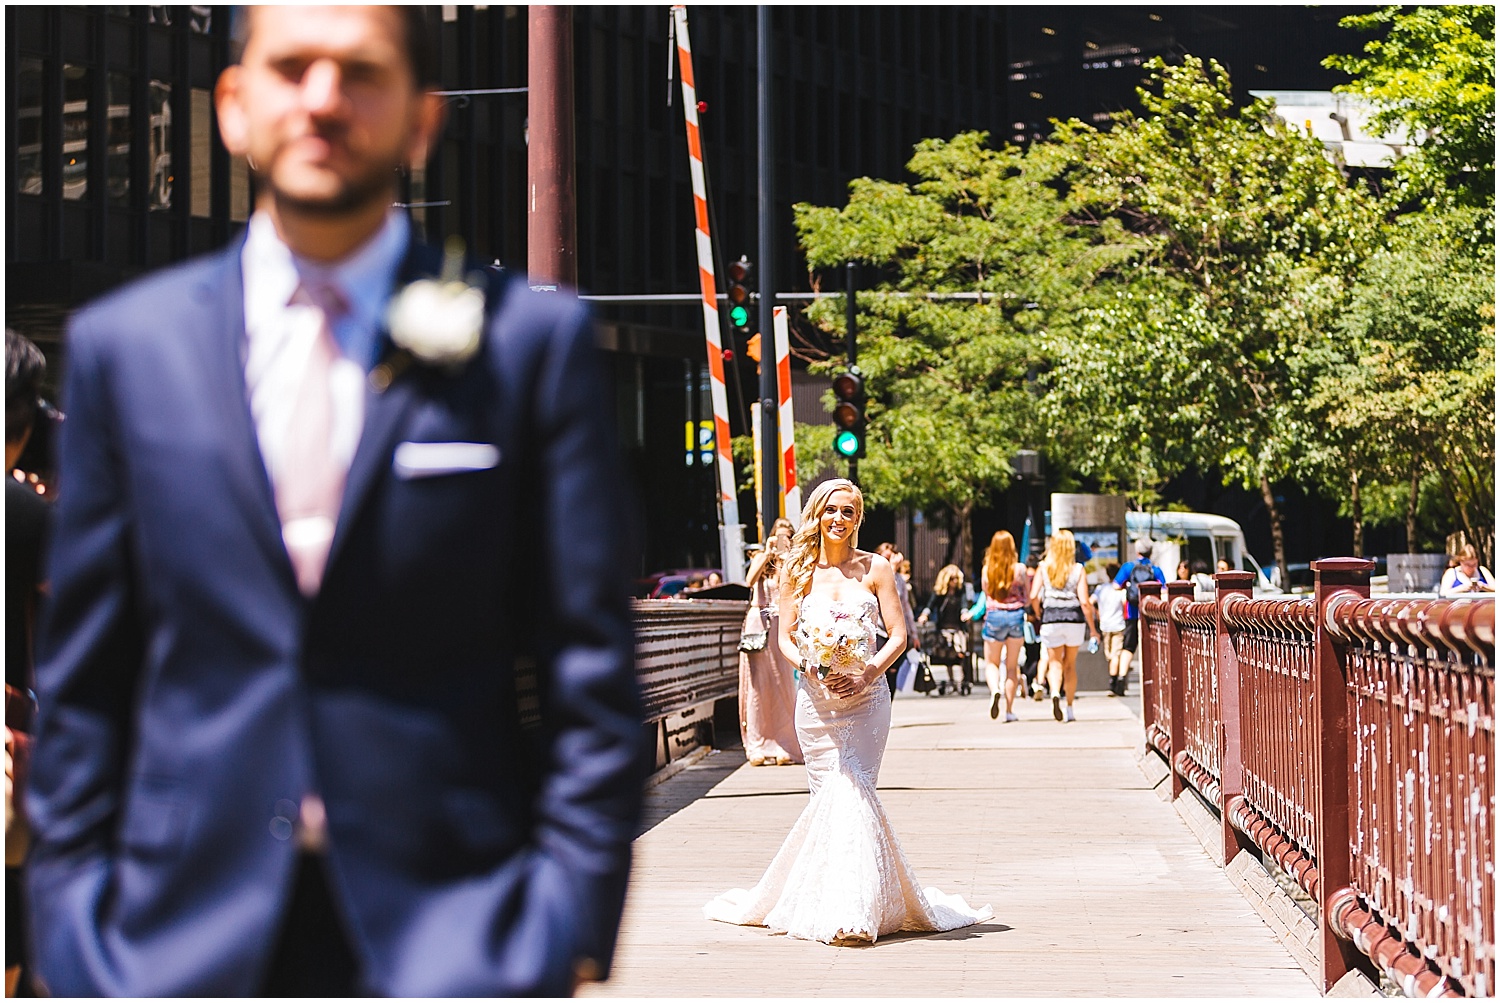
x,y
1350,741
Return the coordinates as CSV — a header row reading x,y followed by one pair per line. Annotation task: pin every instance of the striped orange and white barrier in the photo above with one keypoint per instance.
x,y
791,491
731,532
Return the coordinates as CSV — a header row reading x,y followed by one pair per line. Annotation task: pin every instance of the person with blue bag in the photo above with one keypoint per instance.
x,y
1131,576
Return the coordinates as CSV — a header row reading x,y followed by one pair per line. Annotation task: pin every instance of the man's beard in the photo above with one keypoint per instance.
x,y
357,193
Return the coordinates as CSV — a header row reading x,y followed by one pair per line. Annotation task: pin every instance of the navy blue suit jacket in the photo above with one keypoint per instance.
x,y
479,838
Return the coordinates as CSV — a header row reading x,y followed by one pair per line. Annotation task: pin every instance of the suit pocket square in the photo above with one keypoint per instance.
x,y
435,459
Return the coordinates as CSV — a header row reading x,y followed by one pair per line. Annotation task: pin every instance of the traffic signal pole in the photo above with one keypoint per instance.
x,y
850,315
770,482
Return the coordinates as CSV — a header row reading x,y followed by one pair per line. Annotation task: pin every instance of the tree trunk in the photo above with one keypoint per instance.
x,y
964,523
1357,511
1278,542
1411,507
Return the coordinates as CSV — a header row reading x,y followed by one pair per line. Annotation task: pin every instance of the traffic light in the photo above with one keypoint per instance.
x,y
849,414
738,293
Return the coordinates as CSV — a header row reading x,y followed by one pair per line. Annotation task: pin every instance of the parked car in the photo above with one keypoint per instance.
x,y
666,584
1301,575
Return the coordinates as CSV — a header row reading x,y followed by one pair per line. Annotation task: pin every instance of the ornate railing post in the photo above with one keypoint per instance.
x,y
1149,682
1231,764
1332,577
1171,592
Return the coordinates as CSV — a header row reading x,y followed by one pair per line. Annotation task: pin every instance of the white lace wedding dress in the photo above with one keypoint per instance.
x,y
840,876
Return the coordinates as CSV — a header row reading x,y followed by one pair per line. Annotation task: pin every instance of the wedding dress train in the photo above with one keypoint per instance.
x,y
840,875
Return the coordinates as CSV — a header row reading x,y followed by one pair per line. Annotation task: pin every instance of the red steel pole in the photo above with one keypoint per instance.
x,y
551,207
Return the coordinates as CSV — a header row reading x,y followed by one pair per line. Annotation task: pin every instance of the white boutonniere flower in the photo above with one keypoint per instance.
x,y
437,322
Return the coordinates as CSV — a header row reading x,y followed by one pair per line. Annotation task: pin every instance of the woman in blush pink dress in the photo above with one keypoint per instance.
x,y
768,690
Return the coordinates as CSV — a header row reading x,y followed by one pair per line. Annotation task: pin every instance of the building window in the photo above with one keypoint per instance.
x,y
75,129
161,145
117,149
200,122
29,175
239,189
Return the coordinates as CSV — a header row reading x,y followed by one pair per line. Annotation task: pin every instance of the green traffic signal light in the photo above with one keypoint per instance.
x,y
738,293
846,443
849,413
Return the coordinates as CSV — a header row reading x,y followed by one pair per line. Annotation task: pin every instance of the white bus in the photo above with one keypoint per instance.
x,y
1190,536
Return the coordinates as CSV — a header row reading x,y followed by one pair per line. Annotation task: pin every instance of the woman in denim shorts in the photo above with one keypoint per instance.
x,y
1004,583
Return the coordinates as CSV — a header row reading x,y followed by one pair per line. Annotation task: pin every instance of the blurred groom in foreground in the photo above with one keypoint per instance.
x,y
281,748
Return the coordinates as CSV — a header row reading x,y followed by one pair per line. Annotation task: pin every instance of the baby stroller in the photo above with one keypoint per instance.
x,y
947,648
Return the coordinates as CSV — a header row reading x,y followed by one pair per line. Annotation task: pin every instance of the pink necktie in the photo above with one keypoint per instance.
x,y
310,488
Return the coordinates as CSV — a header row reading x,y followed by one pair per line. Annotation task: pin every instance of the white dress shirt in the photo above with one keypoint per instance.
x,y
280,338
281,334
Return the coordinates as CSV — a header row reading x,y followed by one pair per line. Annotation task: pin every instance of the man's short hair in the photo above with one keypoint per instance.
x,y
1143,547
421,51
24,368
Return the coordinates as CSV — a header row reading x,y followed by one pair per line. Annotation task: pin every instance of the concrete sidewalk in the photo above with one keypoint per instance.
x,y
1099,887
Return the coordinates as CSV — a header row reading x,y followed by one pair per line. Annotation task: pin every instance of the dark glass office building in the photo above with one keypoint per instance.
x,y
115,165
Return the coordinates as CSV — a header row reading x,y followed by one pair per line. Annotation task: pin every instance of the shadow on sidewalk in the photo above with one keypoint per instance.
x,y
667,798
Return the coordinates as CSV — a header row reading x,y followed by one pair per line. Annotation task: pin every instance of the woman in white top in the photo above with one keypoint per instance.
x,y
1467,577
1060,595
1109,603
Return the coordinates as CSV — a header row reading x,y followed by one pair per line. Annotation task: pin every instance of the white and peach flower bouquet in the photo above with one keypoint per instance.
x,y
830,639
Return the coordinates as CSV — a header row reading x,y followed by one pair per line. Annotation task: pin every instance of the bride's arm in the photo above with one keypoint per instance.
x,y
883,578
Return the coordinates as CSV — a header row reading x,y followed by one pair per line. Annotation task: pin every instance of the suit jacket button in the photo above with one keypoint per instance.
x,y
281,828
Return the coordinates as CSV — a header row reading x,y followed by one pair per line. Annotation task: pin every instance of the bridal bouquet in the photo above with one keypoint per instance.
x,y
830,637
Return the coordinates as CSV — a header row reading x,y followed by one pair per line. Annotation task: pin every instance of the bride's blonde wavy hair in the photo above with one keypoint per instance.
x,y
807,542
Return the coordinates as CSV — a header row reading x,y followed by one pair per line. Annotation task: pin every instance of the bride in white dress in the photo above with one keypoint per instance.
x,y
840,876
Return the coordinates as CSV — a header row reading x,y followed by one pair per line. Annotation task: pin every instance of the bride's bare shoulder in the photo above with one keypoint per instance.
x,y
874,567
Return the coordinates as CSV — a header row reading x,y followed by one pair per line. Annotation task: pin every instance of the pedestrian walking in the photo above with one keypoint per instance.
x,y
909,616
1132,576
1109,606
283,745
1003,585
27,519
946,611
1060,596
1033,677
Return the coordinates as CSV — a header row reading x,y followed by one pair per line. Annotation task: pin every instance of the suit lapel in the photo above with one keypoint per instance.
x,y
385,412
224,348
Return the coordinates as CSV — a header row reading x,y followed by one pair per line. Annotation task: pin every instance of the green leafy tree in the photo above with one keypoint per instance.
x,y
1409,408
1245,238
950,402
1432,76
